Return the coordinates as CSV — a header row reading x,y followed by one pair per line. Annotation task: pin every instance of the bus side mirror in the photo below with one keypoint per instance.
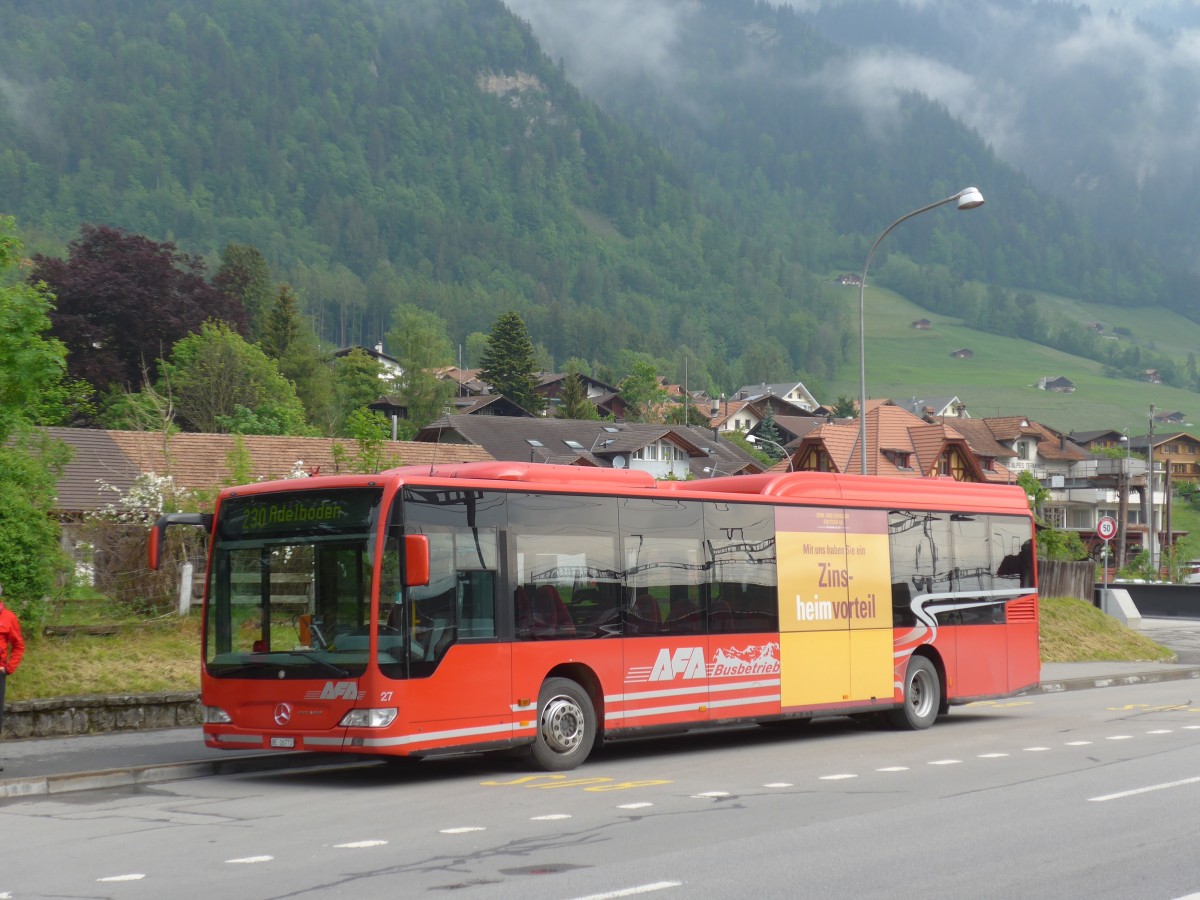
x,y
416,560
158,533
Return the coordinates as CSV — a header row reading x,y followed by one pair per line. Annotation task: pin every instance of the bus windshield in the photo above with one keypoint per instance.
x,y
290,585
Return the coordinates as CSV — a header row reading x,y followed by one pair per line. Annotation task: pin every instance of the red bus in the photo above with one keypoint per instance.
x,y
484,606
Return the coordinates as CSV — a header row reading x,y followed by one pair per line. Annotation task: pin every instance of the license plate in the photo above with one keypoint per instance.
x,y
287,742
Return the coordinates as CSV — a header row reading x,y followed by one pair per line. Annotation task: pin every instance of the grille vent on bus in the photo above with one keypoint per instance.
x,y
1023,610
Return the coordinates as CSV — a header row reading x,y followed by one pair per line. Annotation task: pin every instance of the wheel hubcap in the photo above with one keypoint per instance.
x,y
920,695
562,724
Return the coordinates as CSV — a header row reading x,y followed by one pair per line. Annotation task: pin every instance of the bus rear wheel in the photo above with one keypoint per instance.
x,y
922,696
566,726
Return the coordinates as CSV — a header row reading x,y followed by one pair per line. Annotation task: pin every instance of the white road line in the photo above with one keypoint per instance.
x,y
992,755
634,805
893,769
944,762
1078,743
1161,731
131,877
630,892
250,859
553,817
779,784
1145,790
1119,737
466,829
708,794
838,777
1036,749
359,845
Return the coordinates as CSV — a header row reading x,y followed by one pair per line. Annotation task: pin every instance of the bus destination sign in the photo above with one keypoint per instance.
x,y
297,512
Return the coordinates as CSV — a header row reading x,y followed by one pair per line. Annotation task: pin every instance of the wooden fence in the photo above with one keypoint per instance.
x,y
1066,579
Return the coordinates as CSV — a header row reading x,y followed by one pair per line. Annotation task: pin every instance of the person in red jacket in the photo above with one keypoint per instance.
x,y
12,648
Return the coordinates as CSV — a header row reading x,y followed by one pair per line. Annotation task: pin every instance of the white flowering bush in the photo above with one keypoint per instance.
x,y
118,535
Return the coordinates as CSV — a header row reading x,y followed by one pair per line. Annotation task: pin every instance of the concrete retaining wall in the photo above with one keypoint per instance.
x,y
1164,601
65,716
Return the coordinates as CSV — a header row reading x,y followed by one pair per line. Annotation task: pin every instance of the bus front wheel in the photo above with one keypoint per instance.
x,y
922,696
566,727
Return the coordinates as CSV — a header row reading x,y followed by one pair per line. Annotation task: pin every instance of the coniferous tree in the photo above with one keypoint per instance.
x,y
282,324
243,274
508,363
575,403
770,435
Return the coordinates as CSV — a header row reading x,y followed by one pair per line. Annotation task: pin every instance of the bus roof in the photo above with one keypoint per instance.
x,y
822,488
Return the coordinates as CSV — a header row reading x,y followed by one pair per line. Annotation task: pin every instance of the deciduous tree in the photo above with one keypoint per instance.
x,y
220,383
123,301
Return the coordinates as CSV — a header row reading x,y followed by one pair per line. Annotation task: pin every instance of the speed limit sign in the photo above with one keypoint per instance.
x,y
1106,528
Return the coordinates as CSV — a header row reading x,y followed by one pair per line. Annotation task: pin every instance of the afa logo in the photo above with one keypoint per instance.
x,y
344,690
687,662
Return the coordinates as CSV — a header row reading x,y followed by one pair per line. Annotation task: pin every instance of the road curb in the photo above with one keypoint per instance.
x,y
153,773
1102,681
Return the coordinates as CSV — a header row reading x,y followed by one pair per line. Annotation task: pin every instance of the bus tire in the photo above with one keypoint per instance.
x,y
922,696
566,726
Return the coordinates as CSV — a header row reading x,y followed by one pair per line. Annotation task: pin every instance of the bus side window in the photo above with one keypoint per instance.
x,y
476,603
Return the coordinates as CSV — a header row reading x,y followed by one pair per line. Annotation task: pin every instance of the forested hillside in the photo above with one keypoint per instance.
x,y
430,153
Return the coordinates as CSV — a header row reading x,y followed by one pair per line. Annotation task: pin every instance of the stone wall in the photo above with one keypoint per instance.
x,y
65,716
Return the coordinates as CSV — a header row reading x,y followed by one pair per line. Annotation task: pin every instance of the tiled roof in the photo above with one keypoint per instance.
x,y
980,436
890,428
1055,446
203,461
509,439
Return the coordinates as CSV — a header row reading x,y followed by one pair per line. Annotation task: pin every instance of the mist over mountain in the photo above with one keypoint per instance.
x,y
1099,107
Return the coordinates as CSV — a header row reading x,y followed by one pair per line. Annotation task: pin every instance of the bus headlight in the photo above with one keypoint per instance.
x,y
368,718
214,715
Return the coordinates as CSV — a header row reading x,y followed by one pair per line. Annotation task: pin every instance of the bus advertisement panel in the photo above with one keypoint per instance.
x,y
483,606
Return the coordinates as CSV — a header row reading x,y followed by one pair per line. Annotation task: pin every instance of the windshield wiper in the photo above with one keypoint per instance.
x,y
311,657
268,661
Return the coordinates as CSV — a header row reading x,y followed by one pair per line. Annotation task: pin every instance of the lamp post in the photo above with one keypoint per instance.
x,y
755,439
967,198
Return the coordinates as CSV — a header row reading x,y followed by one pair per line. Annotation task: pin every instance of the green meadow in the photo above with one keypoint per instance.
x,y
1000,378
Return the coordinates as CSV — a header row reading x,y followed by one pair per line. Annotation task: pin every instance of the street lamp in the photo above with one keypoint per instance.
x,y
967,198
755,439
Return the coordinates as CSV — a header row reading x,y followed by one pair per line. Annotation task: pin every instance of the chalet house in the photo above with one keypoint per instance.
x,y
933,407
491,405
391,366
1103,439
605,397
666,451
849,279
1169,418
898,443
1177,454
922,324
466,381
962,353
1059,385
793,392
1152,375
729,416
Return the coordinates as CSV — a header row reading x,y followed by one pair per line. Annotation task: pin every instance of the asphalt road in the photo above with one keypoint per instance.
x,y
1070,794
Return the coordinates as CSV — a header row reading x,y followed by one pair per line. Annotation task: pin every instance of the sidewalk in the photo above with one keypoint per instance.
x,y
61,765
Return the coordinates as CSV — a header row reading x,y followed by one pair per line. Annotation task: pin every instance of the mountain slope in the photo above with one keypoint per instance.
x,y
429,152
